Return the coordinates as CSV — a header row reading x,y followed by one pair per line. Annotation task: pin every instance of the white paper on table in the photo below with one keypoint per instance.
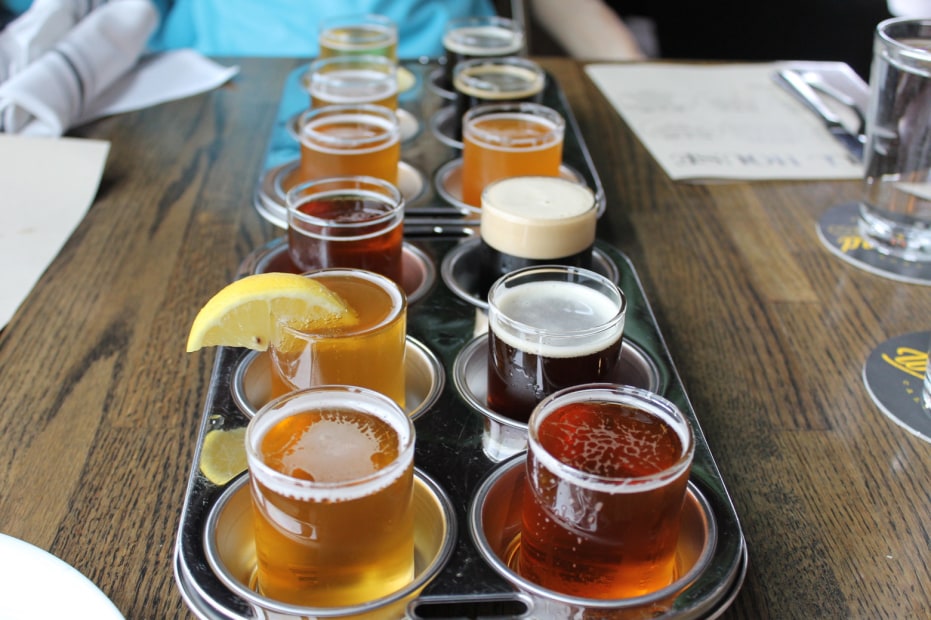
x,y
724,122
38,216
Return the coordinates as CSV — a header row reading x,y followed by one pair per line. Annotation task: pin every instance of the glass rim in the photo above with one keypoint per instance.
x,y
496,316
458,23
354,186
502,211
644,400
884,33
389,286
479,86
361,19
351,59
321,397
390,135
544,115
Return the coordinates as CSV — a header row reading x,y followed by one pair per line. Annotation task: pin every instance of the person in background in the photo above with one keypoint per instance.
x,y
288,28
731,30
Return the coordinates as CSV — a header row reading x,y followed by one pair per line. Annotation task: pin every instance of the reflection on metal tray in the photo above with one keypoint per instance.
x,y
449,451
428,212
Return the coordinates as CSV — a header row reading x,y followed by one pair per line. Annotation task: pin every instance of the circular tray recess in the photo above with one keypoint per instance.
x,y
270,196
419,272
459,270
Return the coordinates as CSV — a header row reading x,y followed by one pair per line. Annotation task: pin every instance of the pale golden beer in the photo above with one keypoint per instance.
x,y
331,477
509,140
352,79
349,140
372,35
369,354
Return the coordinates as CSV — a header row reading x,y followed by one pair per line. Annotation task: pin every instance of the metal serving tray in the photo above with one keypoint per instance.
x,y
442,324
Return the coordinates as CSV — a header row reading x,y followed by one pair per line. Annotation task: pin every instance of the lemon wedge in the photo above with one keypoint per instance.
x,y
223,455
243,313
406,79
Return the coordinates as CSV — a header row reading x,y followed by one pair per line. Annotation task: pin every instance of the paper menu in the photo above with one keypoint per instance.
x,y
38,217
725,122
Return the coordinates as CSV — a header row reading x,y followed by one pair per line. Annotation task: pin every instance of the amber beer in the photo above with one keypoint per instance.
x,y
468,38
331,476
607,470
349,140
508,140
369,354
495,80
528,221
352,79
370,35
550,327
347,222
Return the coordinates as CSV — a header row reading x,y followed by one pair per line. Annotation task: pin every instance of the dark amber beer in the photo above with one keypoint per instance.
x,y
495,80
331,475
550,327
607,471
347,222
528,221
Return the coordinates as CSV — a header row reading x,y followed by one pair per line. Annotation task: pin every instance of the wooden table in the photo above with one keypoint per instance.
x,y
768,330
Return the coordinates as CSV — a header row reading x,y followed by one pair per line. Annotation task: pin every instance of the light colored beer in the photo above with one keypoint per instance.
x,y
331,476
369,354
607,470
352,79
509,140
374,35
350,140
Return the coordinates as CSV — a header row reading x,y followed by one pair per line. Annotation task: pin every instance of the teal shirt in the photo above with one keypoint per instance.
x,y
289,27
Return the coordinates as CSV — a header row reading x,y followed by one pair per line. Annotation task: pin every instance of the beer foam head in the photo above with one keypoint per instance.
x,y
557,319
603,438
328,440
499,78
538,217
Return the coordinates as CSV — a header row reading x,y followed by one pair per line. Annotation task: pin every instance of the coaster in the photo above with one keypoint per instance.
x,y
894,374
838,230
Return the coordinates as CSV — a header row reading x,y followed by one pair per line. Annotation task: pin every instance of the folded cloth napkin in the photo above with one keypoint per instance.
x,y
104,40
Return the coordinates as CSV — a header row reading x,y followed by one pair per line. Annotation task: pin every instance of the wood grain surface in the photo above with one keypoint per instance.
x,y
769,332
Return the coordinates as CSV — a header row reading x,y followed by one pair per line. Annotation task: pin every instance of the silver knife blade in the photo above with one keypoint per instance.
x,y
832,122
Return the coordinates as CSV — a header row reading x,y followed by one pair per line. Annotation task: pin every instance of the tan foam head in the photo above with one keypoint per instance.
x,y
538,217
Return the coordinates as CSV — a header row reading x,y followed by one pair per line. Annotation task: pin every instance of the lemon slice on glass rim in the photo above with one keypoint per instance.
x,y
243,313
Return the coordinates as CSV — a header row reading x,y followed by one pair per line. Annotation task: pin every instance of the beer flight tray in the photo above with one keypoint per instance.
x,y
462,475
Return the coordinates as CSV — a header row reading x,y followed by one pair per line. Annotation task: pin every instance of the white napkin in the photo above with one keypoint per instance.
x,y
67,62
56,88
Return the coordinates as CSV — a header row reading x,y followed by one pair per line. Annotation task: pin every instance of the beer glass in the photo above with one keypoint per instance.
x,y
480,36
528,221
352,79
347,222
369,34
509,140
349,140
895,212
607,472
323,462
550,327
495,80
368,354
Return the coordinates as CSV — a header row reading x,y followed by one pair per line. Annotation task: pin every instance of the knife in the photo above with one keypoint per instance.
x,y
810,98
